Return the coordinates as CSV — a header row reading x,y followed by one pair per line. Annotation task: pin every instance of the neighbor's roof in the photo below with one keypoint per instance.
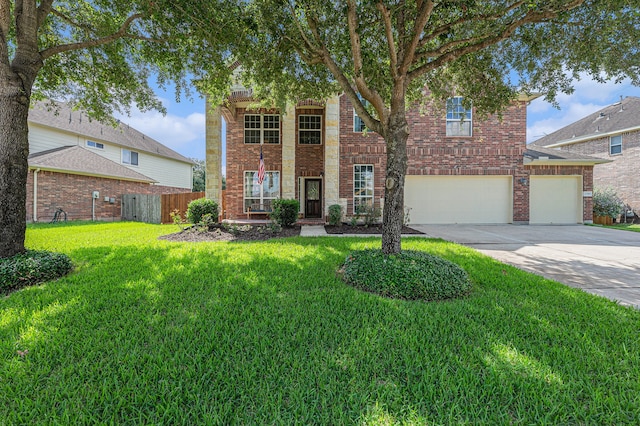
x,y
549,156
78,160
619,117
63,117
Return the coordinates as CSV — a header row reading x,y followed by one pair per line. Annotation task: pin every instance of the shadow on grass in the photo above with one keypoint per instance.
x,y
266,333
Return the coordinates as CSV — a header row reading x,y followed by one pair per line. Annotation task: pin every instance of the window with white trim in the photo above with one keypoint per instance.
x,y
93,144
362,187
129,157
261,127
459,122
259,197
358,123
309,129
615,145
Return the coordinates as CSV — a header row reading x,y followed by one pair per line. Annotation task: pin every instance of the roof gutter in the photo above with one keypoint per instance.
x,y
562,162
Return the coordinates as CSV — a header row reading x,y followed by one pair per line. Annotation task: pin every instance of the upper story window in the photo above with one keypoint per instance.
x,y
310,129
615,145
459,121
129,157
261,128
358,123
97,145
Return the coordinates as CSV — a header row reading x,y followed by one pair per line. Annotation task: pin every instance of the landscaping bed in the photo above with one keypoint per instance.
x,y
220,232
346,228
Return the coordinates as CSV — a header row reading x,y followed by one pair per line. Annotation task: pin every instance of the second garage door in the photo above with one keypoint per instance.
x,y
459,199
555,200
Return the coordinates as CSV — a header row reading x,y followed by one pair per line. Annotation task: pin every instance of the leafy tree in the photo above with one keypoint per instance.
x,y
98,54
389,51
199,175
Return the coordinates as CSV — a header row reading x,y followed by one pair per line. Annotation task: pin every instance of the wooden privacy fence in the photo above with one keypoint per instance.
x,y
171,202
156,208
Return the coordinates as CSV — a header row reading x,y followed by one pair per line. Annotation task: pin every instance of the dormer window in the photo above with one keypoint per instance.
x,y
615,145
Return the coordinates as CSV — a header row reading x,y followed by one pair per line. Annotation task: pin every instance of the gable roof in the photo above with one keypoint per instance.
x,y
549,156
61,116
77,160
617,118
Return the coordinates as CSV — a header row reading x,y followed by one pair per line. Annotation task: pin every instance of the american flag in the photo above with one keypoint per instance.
x,y
261,171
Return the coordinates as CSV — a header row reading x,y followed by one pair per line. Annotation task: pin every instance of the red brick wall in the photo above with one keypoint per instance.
x,y
243,157
309,158
496,148
587,182
622,173
73,194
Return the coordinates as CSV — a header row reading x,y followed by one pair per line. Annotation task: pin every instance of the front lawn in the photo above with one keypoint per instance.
x,y
147,331
625,226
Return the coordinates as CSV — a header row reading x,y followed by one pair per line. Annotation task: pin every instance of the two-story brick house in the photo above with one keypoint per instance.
x,y
461,170
613,134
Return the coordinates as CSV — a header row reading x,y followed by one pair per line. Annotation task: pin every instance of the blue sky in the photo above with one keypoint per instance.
x,y
183,128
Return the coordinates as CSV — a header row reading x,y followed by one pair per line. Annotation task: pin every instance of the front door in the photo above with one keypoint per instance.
x,y
312,197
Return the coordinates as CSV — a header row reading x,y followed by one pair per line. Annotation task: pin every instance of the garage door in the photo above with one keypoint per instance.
x,y
459,199
555,200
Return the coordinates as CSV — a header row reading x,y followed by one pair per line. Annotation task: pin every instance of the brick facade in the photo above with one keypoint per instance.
x,y
622,173
73,193
496,148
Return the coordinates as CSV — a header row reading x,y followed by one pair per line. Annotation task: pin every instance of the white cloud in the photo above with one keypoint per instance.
x,y
589,96
174,131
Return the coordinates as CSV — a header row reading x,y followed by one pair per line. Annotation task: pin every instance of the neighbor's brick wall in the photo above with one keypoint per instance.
x,y
587,182
243,157
622,174
496,148
73,194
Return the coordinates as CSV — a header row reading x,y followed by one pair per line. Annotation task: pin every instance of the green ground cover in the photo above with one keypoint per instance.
x,y
154,332
625,226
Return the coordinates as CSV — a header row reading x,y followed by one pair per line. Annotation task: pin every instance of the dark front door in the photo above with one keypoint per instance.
x,y
312,197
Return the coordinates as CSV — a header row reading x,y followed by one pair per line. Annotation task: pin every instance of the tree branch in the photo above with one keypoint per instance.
x,y
43,11
393,54
490,39
5,24
121,33
424,13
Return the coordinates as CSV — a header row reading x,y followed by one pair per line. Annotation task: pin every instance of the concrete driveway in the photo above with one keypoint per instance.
x,y
601,261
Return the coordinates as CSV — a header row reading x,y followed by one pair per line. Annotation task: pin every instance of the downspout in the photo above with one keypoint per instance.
x,y
35,195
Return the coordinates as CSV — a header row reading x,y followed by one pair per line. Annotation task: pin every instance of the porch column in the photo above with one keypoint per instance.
x,y
332,153
213,161
288,176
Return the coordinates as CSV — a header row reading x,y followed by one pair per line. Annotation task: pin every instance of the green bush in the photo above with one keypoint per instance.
x,y
32,267
411,275
200,207
335,214
607,203
285,212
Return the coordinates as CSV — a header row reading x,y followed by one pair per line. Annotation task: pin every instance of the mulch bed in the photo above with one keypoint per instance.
x,y
346,228
238,233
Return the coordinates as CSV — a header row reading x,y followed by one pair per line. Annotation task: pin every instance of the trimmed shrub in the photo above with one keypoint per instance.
x,y
32,267
335,214
200,207
411,275
607,203
285,212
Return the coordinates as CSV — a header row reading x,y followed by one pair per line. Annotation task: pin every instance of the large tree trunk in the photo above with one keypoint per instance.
x,y
14,150
393,217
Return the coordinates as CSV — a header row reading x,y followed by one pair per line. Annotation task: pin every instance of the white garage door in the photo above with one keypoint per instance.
x,y
555,200
459,199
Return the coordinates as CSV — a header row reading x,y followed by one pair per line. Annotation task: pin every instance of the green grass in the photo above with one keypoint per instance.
x,y
624,226
153,332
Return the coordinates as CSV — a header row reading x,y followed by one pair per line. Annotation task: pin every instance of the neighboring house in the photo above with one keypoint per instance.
x,y
613,134
73,157
461,169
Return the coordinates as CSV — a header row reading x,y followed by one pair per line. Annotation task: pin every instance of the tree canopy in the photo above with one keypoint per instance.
x,y
387,52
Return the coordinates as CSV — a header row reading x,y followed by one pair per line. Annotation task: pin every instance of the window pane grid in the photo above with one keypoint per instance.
x,y
615,144
256,194
458,118
362,187
265,128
